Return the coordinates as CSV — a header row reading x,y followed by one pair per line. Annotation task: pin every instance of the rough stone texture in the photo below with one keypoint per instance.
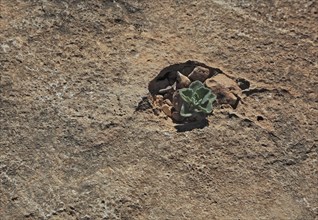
x,y
73,147
224,88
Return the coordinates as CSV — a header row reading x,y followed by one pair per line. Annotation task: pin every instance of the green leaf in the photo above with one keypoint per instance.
x,y
197,99
186,111
209,97
206,107
202,92
186,94
196,85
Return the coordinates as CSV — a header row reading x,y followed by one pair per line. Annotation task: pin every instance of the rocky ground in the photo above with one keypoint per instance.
x,y
73,147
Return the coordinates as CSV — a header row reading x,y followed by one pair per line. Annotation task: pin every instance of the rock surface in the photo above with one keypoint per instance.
x,y
72,145
226,89
199,73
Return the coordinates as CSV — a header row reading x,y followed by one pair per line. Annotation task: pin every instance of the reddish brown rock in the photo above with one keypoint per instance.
x,y
199,73
225,81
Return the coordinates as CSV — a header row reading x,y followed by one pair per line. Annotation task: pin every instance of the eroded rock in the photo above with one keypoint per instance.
x,y
225,88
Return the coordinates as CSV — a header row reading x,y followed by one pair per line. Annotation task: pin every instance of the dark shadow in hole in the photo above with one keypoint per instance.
x,y
192,125
232,115
234,106
119,21
256,90
243,83
170,73
260,118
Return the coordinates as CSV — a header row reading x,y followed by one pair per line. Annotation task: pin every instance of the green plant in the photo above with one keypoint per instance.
x,y
197,100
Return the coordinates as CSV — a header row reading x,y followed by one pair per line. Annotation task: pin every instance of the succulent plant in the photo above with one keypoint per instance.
x,y
197,100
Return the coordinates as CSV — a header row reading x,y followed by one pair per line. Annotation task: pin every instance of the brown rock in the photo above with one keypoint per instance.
x,y
182,81
229,98
199,73
167,101
225,89
167,110
158,100
225,81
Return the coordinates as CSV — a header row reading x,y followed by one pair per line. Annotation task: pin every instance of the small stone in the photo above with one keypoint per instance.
x,y
182,81
199,73
158,100
159,97
167,109
167,101
156,111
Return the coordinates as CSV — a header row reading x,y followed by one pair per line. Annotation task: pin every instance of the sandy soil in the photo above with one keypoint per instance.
x,y
73,147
